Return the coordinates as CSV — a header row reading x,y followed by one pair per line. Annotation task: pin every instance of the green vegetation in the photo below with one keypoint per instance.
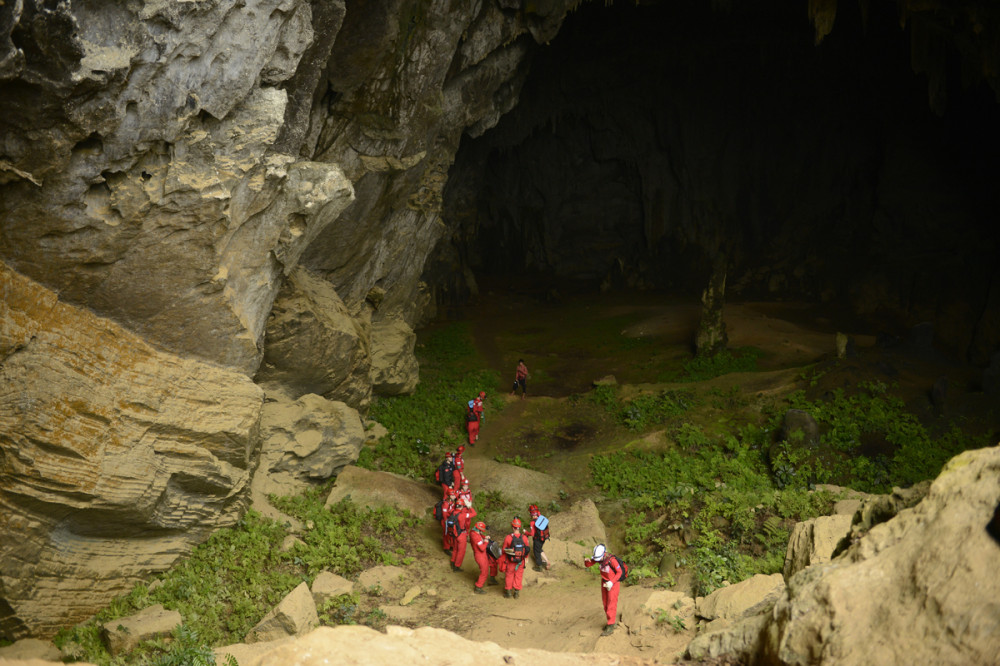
x,y
724,503
232,580
643,411
869,442
726,361
424,425
717,489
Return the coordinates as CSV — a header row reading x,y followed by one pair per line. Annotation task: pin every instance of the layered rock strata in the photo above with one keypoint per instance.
x,y
115,457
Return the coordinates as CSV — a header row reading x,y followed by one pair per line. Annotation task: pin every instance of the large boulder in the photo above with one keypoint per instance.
x,y
115,458
315,345
518,485
376,489
917,588
364,646
124,634
749,597
306,440
293,616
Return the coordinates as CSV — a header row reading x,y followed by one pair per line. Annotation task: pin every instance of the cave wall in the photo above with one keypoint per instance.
x,y
652,139
165,169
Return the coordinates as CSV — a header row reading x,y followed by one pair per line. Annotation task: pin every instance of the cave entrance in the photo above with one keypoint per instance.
x,y
651,139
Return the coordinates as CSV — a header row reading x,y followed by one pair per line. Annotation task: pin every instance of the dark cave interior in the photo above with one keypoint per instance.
x,y
655,139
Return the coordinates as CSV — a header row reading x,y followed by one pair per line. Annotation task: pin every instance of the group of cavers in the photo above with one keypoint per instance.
x,y
457,516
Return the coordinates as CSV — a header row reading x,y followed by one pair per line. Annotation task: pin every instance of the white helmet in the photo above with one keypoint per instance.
x,y
599,551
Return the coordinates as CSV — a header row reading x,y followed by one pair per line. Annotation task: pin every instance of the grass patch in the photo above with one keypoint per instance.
x,y
424,425
644,411
718,488
231,581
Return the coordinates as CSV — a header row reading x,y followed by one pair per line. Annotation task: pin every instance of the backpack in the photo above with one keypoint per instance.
x,y
542,528
494,551
519,548
439,511
622,566
471,415
451,525
445,474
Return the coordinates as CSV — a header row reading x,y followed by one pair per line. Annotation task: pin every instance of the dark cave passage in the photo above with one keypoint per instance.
x,y
651,140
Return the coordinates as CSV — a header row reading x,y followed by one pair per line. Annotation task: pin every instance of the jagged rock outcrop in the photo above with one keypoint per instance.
x,y
303,442
918,588
103,436
126,633
315,345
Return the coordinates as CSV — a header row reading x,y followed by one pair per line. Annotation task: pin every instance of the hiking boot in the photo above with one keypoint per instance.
x,y
492,581
537,568
608,630
517,593
455,567
478,590
506,594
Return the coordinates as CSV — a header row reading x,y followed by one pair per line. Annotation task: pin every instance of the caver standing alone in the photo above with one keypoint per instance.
x,y
611,573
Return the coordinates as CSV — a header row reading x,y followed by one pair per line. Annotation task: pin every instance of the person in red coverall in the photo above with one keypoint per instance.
x,y
465,515
478,408
459,463
472,423
465,492
446,510
480,541
537,539
611,573
515,552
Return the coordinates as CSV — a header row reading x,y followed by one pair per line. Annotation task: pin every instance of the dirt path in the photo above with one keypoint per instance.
x,y
630,338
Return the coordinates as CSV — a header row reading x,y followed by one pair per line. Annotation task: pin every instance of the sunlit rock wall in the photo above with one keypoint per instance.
x,y
115,458
164,167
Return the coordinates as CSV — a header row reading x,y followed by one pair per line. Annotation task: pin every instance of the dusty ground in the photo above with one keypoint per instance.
x,y
638,338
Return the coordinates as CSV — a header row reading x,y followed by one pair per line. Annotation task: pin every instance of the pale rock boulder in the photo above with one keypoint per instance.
x,y
315,345
311,438
662,621
394,368
388,579
917,588
518,485
294,616
125,633
562,551
377,489
30,649
749,597
364,646
580,522
115,458
304,441
814,541
328,585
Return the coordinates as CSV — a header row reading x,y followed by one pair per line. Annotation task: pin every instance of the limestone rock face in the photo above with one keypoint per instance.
x,y
151,170
394,369
315,345
103,436
748,597
814,541
918,588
